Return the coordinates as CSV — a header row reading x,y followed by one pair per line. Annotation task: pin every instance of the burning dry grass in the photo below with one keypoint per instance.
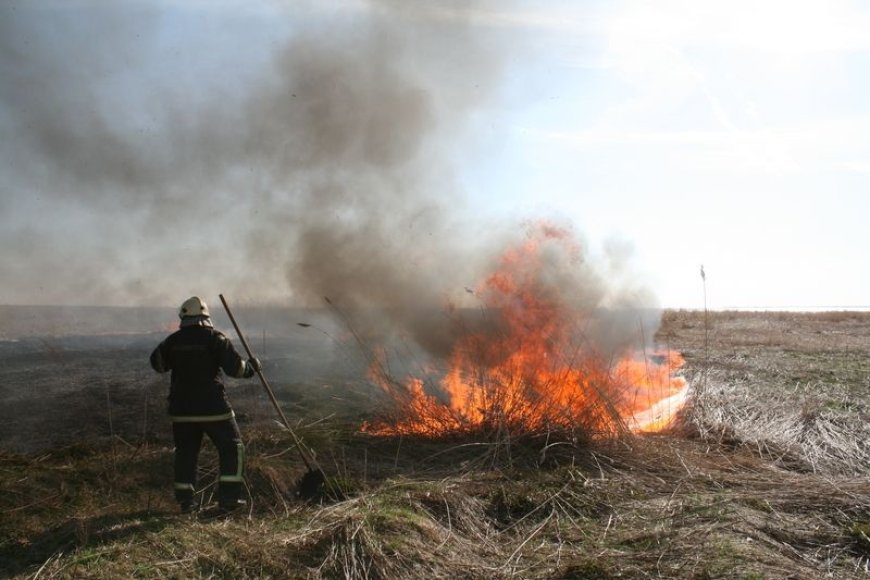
x,y
544,354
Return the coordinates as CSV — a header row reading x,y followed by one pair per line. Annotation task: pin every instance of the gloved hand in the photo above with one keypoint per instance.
x,y
252,367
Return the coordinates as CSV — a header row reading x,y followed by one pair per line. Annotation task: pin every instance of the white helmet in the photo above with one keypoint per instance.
x,y
193,306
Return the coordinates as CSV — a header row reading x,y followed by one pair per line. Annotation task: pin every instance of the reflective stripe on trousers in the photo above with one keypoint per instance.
x,y
201,418
240,466
231,452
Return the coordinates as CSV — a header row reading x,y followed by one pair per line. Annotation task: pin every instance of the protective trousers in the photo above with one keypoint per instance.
x,y
231,453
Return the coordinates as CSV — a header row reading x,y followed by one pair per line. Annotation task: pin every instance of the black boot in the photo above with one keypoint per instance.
x,y
231,506
188,506
186,499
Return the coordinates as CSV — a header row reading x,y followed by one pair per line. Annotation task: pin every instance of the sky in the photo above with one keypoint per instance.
x,y
386,151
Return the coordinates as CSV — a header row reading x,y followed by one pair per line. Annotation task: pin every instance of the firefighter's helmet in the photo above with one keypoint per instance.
x,y
193,306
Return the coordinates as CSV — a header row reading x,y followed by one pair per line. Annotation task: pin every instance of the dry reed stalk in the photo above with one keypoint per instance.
x,y
793,426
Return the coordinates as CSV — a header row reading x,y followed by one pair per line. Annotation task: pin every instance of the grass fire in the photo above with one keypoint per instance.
x,y
429,370
766,448
530,363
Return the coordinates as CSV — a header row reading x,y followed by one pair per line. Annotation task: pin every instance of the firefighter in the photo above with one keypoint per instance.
x,y
198,404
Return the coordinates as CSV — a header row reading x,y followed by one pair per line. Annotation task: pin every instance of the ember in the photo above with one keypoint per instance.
x,y
531,365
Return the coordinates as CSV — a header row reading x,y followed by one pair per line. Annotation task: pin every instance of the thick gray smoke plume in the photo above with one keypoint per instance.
x,y
332,152
151,152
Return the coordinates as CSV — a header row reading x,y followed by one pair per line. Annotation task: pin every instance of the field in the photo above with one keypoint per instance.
x,y
763,476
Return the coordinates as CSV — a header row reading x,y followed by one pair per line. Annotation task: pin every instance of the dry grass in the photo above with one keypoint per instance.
x,y
662,507
793,385
766,481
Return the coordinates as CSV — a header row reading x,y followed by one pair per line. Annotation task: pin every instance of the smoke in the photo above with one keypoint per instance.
x,y
151,152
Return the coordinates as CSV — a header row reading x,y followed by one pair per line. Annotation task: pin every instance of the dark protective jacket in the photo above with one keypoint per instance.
x,y
196,354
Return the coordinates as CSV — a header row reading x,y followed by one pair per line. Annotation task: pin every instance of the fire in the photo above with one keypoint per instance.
x,y
528,364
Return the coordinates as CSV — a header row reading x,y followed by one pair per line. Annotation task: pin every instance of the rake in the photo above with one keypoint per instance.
x,y
311,485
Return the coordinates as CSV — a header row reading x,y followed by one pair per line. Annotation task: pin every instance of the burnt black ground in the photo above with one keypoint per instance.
x,y
62,390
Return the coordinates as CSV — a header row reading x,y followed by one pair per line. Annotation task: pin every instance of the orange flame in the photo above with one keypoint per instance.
x,y
531,367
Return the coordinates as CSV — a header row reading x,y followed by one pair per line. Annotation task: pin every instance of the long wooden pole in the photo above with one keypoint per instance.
x,y
308,461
